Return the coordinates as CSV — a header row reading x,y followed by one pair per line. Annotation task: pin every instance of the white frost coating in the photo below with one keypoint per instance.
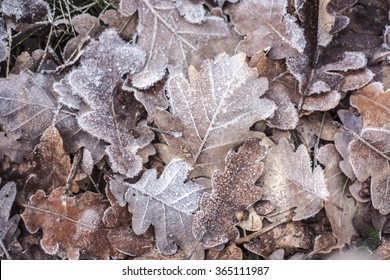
x,y
296,33
89,222
166,203
350,61
318,87
193,12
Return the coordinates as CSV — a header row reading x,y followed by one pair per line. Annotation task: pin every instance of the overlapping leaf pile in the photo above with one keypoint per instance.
x,y
161,129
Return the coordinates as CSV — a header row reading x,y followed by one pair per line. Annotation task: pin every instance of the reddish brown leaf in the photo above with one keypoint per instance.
x,y
383,251
69,225
51,164
231,252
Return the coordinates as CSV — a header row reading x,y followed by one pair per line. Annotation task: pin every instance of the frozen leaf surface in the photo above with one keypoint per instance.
x,y
232,191
368,162
69,226
167,203
25,10
214,110
51,164
289,181
167,38
114,115
267,25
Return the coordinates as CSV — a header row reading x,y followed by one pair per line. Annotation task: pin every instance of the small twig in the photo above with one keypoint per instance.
x,y
265,229
364,141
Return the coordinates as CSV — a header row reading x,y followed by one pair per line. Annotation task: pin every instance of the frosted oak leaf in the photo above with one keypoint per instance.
x,y
214,111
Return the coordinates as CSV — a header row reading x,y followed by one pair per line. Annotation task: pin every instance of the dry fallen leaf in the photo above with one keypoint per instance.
x,y
213,111
231,252
167,203
7,197
289,181
101,90
287,236
372,161
173,38
51,164
340,209
267,26
232,191
373,103
69,225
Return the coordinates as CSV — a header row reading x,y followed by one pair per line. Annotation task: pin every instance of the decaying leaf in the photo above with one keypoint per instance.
x,y
233,191
373,103
289,181
216,109
166,203
127,242
287,236
383,251
339,208
25,10
372,161
51,164
101,90
69,225
267,26
173,38
231,252
7,197
343,138
27,104
13,148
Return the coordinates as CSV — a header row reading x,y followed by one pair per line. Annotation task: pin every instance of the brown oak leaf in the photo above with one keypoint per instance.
x,y
232,191
340,209
371,161
288,236
373,103
51,164
69,225
289,181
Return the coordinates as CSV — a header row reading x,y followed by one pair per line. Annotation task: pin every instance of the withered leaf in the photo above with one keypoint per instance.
x,y
13,148
127,242
27,104
25,10
51,164
289,181
231,252
69,225
167,203
343,138
267,26
7,197
373,103
110,117
340,209
288,236
173,38
383,251
215,108
232,191
366,163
